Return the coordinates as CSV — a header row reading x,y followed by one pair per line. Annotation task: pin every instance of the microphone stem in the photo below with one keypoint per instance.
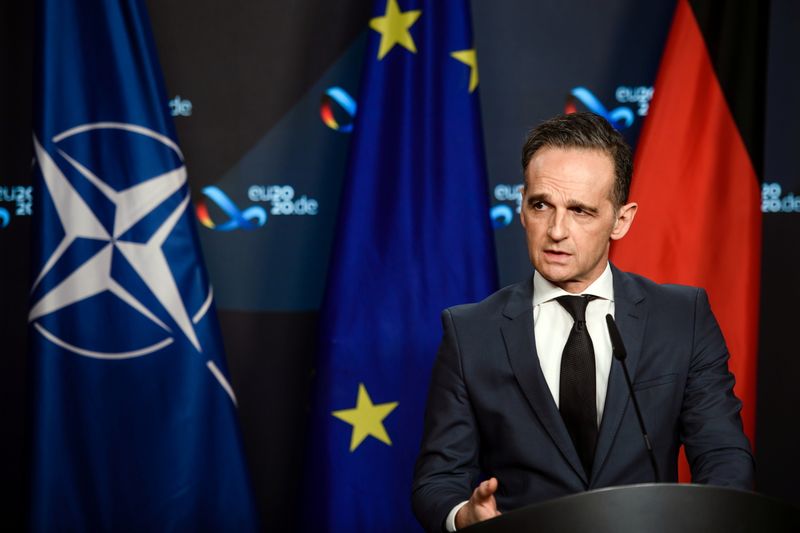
x,y
647,444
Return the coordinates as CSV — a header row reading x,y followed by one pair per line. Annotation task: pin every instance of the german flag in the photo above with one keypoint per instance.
x,y
698,169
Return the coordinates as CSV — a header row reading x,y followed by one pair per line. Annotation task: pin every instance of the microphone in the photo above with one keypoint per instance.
x,y
618,349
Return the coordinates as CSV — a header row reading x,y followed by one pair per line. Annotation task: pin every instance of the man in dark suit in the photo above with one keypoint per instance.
x,y
525,391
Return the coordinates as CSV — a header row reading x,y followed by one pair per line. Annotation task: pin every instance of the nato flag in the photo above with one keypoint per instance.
x,y
413,237
134,418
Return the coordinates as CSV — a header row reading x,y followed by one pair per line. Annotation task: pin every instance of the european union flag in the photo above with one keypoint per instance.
x,y
134,418
413,237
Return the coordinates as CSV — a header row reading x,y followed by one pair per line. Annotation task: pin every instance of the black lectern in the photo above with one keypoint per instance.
x,y
651,508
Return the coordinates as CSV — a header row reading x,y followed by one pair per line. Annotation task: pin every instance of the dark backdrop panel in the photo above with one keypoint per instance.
x,y
270,357
777,431
249,77
16,154
243,65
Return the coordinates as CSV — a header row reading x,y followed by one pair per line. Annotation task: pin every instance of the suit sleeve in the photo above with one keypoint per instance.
x,y
711,426
447,466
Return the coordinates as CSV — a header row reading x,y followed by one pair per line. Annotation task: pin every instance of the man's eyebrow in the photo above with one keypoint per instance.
x,y
571,204
540,197
575,204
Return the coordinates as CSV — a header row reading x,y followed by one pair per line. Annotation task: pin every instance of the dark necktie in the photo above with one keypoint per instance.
x,y
577,400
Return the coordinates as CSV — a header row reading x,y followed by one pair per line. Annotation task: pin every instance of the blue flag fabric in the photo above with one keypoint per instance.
x,y
413,237
134,418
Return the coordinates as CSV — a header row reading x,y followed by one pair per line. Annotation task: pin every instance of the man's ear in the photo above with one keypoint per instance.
x,y
622,224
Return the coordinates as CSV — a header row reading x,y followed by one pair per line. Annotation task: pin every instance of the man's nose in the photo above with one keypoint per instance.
x,y
557,229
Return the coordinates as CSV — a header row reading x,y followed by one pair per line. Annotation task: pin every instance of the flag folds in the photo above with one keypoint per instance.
x,y
697,173
413,237
134,418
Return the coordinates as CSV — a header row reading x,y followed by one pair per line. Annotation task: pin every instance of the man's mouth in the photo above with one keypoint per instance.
x,y
556,254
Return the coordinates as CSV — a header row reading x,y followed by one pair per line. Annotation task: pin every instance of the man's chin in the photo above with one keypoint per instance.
x,y
555,274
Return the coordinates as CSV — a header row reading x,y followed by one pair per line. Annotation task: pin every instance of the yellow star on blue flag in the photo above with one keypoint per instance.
x,y
469,58
393,27
366,418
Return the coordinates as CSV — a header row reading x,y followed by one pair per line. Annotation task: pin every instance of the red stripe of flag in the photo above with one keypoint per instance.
x,y
699,220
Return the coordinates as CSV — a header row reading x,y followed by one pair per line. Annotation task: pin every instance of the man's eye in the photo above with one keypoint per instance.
x,y
538,206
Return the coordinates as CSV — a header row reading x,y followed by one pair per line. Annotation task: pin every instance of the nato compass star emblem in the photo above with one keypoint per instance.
x,y
113,241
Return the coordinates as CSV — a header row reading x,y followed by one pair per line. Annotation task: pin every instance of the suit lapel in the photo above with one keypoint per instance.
x,y
521,348
630,314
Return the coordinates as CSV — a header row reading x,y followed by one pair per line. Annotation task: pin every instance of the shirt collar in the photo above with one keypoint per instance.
x,y
544,291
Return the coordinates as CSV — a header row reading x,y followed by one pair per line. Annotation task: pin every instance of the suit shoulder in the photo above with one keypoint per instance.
x,y
665,292
493,304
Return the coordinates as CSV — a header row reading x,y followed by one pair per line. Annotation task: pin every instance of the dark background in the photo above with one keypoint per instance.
x,y
254,73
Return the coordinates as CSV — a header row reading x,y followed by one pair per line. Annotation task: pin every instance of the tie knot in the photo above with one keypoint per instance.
x,y
575,306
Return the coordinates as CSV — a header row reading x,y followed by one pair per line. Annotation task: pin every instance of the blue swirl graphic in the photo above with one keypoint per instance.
x,y
346,102
5,217
621,117
501,216
249,219
342,98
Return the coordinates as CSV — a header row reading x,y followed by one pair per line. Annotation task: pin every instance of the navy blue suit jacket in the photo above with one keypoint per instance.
x,y
491,413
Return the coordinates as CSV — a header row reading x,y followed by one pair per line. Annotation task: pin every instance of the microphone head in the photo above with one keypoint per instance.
x,y
617,346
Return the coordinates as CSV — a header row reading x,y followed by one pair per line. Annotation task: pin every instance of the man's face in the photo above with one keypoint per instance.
x,y
568,215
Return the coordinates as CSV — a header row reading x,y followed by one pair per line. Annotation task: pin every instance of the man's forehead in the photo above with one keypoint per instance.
x,y
581,169
599,158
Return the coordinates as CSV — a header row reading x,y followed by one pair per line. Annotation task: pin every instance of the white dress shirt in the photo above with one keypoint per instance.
x,y
551,326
